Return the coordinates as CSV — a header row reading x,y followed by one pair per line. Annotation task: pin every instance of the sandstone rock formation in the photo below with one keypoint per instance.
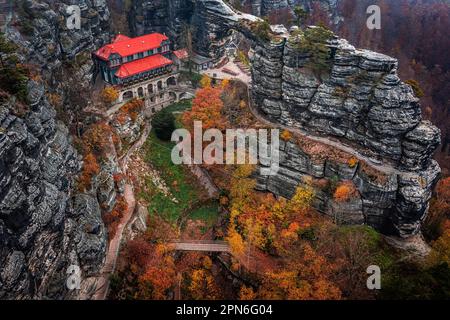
x,y
44,227
360,103
45,224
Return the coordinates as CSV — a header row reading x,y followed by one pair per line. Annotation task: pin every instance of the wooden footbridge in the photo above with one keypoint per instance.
x,y
200,245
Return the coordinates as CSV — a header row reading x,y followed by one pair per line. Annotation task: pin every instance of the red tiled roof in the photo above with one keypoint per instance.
x,y
181,54
120,37
142,65
126,47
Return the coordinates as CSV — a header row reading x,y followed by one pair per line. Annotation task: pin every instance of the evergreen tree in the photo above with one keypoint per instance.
x,y
314,42
164,124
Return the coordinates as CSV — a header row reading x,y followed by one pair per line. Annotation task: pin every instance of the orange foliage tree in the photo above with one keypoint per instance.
x,y
286,135
345,192
130,110
207,107
90,169
305,278
159,276
202,286
112,219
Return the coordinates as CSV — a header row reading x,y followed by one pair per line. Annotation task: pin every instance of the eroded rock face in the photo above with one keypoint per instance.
x,y
43,228
46,225
165,16
50,41
210,22
362,103
262,8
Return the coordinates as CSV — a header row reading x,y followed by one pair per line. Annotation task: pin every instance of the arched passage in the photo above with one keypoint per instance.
x,y
127,95
173,96
150,88
160,85
172,81
140,91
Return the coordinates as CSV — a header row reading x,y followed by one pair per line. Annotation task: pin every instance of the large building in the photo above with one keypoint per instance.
x,y
128,60
140,67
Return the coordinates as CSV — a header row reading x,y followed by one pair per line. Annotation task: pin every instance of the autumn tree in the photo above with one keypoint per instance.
x,y
345,192
225,84
112,219
159,277
109,95
206,81
247,293
207,107
130,110
438,218
286,135
236,242
440,252
203,286
91,168
305,278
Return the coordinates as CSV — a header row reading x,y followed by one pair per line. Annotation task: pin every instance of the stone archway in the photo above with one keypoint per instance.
x,y
127,95
185,96
159,85
140,92
173,96
150,88
172,81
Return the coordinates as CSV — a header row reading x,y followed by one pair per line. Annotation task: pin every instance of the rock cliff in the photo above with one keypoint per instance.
x,y
361,105
45,224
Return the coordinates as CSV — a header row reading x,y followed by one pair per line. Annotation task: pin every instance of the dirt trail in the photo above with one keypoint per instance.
x,y
102,285
114,246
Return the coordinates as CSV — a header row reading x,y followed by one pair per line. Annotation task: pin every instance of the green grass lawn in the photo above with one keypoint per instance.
x,y
178,179
207,213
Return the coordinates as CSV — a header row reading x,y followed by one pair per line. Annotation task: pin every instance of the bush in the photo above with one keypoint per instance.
x,y
262,29
345,192
286,135
314,42
109,95
13,76
164,124
418,91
